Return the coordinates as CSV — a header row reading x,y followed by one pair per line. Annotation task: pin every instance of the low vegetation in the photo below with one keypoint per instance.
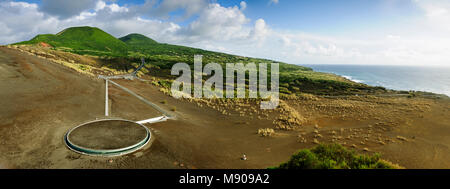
x,y
124,54
266,132
335,156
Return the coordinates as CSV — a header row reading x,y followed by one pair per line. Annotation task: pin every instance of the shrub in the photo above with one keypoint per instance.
x,y
165,90
173,109
411,94
306,96
82,67
284,90
266,132
334,156
285,85
155,83
304,159
165,83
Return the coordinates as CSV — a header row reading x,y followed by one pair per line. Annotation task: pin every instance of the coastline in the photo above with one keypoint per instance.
x,y
435,80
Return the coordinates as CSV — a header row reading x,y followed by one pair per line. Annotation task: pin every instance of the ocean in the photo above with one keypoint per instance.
x,y
417,78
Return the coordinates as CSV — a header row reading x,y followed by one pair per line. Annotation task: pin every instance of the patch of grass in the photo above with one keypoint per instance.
x,y
165,91
334,156
165,83
164,102
173,109
266,132
82,67
120,54
412,94
155,83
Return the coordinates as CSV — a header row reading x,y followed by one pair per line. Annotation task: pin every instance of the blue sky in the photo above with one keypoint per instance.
x,y
328,17
412,32
320,16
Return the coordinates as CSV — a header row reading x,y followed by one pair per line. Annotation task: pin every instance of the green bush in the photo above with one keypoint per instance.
x,y
284,90
165,83
334,156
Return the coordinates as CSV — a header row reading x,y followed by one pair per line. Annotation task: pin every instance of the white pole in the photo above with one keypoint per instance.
x,y
106,99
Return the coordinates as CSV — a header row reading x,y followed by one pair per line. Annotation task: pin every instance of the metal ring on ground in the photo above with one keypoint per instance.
x,y
107,137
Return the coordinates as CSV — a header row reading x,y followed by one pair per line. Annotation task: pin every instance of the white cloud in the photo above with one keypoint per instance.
x,y
21,21
260,30
217,23
116,8
25,20
228,29
243,5
100,5
66,8
190,7
273,2
437,13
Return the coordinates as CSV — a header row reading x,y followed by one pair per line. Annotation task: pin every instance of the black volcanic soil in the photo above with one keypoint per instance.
x,y
41,100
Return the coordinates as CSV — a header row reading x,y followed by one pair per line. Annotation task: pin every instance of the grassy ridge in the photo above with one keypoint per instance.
x,y
136,40
293,78
142,46
83,40
121,53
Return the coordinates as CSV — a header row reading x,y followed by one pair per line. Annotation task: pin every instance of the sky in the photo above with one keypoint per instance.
x,y
381,32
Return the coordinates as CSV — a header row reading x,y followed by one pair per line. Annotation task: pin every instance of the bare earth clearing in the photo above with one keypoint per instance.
x,y
41,100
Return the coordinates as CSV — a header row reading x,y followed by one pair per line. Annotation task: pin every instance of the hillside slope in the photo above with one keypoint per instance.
x,y
141,45
83,40
121,53
136,39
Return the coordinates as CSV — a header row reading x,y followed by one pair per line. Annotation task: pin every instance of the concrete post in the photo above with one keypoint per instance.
x,y
106,99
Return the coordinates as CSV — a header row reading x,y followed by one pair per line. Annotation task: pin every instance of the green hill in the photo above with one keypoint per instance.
x,y
141,45
293,78
123,52
83,40
136,39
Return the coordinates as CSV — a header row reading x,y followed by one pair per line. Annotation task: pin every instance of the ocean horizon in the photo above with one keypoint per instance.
x,y
417,78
